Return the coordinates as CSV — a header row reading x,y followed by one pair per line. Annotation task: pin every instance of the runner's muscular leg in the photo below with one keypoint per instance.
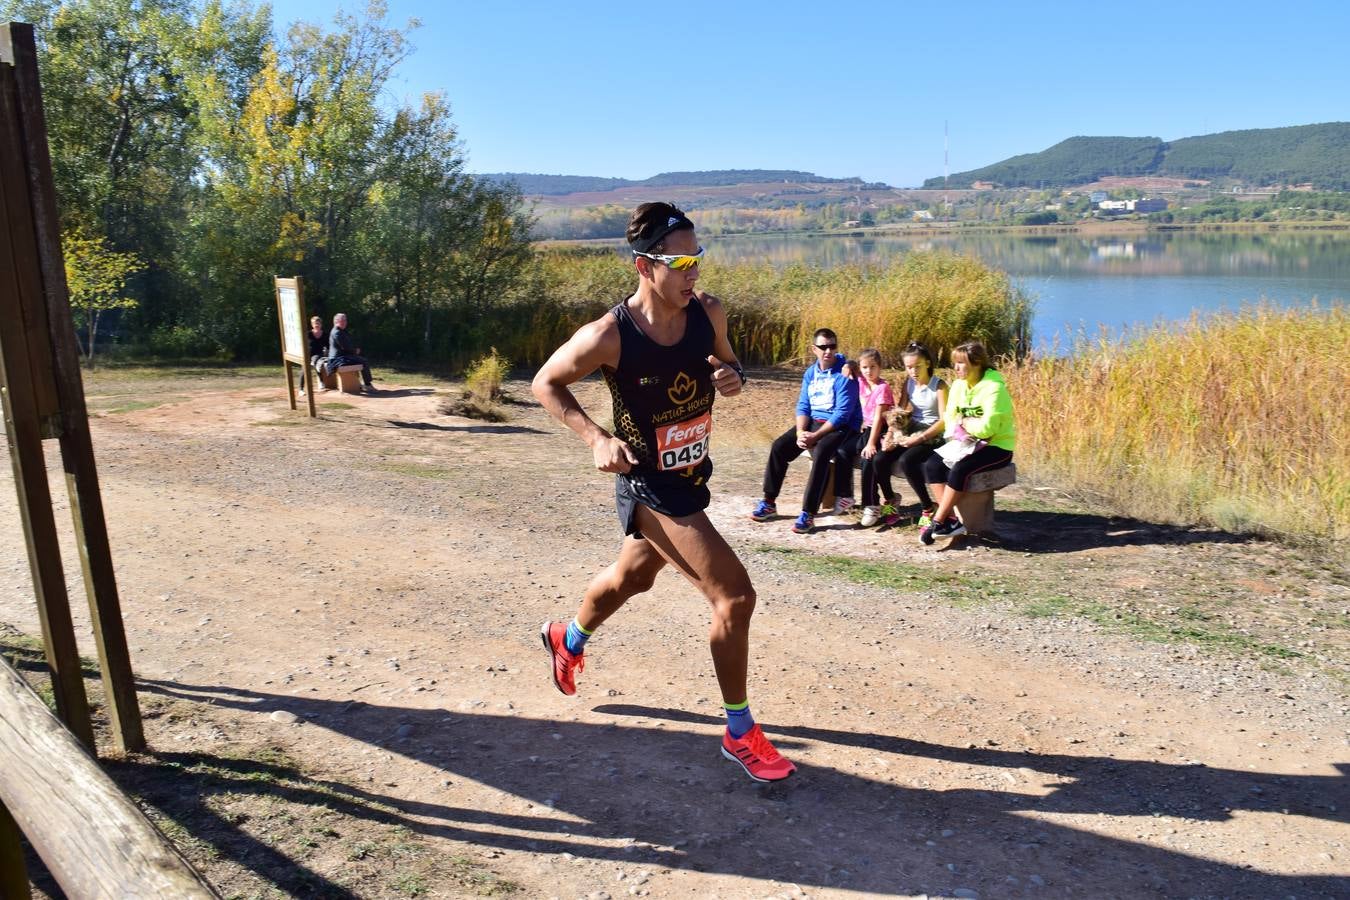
x,y
631,574
694,547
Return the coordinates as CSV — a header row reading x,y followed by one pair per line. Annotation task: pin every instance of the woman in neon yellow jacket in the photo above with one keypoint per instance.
x,y
979,414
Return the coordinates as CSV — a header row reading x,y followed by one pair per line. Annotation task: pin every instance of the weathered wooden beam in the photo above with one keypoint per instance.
x,y
95,841
23,429
77,448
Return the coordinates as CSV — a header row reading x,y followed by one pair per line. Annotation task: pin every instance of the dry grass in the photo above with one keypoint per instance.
x,y
1233,420
937,298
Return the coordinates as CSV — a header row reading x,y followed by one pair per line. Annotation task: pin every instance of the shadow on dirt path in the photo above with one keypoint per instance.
x,y
668,799
1065,532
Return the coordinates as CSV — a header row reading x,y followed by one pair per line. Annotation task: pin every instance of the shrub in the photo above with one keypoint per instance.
x,y
485,377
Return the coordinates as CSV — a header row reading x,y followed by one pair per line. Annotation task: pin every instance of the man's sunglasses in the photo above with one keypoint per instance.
x,y
681,263
825,348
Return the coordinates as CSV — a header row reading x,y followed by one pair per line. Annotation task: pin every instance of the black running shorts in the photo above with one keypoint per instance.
x,y
668,493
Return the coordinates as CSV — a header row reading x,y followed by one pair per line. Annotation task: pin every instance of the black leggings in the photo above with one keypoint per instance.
x,y
850,450
785,450
908,460
958,476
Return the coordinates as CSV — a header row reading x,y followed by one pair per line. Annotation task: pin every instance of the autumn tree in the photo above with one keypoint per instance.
x,y
96,276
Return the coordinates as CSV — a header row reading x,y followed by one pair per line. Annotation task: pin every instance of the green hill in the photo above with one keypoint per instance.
x,y
554,185
1303,153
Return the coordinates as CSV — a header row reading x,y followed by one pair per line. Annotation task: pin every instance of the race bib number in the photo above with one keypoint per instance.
x,y
683,444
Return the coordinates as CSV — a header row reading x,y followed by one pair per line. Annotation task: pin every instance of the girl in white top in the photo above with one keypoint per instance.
x,y
928,394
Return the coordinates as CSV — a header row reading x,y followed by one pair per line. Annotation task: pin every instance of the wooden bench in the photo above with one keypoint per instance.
x,y
976,508
349,379
327,379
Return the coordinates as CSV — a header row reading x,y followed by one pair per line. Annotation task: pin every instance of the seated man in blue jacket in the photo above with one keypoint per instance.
x,y
343,352
827,412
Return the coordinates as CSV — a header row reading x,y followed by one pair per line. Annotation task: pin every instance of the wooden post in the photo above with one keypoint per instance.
x,y
30,407
93,838
77,447
294,326
13,872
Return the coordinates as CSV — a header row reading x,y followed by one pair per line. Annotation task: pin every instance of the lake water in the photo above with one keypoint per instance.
x,y
1114,282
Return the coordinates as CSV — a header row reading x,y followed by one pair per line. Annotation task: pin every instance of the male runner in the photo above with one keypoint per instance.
x,y
661,353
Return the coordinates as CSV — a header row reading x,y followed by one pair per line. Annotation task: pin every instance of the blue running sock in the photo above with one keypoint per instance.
x,y
739,720
576,638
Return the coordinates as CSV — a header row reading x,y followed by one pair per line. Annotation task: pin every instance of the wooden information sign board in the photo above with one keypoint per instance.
x,y
294,326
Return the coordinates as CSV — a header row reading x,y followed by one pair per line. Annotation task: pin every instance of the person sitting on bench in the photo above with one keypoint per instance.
x,y
318,350
342,351
827,413
979,416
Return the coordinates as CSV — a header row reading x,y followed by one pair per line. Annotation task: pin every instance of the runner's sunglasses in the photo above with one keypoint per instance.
x,y
681,263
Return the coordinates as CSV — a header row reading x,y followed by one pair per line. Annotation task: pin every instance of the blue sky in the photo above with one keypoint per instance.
x,y
630,90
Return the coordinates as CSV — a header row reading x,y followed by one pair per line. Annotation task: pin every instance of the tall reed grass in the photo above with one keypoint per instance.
x,y
936,298
1235,420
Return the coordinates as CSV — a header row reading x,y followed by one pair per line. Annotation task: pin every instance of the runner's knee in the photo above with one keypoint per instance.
x,y
636,581
735,607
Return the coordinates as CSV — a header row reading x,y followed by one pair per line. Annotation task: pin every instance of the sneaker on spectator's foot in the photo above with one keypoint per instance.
x,y
555,642
764,510
871,516
370,388
753,753
805,523
889,515
948,528
926,517
843,504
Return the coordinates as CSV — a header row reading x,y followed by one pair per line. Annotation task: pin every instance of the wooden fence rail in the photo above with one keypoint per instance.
x,y
94,840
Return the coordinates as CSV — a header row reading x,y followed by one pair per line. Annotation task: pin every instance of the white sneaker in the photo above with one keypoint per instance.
x,y
843,505
871,516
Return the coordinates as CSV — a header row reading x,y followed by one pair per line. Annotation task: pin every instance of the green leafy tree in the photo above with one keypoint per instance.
x,y
96,276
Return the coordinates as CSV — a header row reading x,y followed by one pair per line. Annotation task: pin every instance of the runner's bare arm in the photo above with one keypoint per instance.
x,y
594,345
726,376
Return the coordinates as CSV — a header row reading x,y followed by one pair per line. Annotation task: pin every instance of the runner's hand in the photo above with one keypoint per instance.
x,y
613,455
724,378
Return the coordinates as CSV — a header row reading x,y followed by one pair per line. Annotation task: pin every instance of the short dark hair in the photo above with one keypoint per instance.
x,y
825,332
650,224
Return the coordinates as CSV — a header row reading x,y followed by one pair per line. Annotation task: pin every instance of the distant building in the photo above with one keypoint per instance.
x,y
1051,207
1146,205
922,215
983,186
1098,196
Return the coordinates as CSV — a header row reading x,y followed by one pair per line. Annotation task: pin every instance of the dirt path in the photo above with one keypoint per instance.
x,y
336,626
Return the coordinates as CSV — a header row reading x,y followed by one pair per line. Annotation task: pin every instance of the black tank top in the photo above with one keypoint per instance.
x,y
663,396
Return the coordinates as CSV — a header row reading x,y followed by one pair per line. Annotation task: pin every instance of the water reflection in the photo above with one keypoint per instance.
x,y
1325,254
1087,282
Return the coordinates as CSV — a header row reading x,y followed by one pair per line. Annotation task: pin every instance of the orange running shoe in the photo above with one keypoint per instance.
x,y
555,642
756,755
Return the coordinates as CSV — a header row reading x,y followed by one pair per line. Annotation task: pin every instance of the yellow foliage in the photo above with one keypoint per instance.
x,y
486,375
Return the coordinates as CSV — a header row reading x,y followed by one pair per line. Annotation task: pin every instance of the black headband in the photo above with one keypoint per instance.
x,y
673,223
